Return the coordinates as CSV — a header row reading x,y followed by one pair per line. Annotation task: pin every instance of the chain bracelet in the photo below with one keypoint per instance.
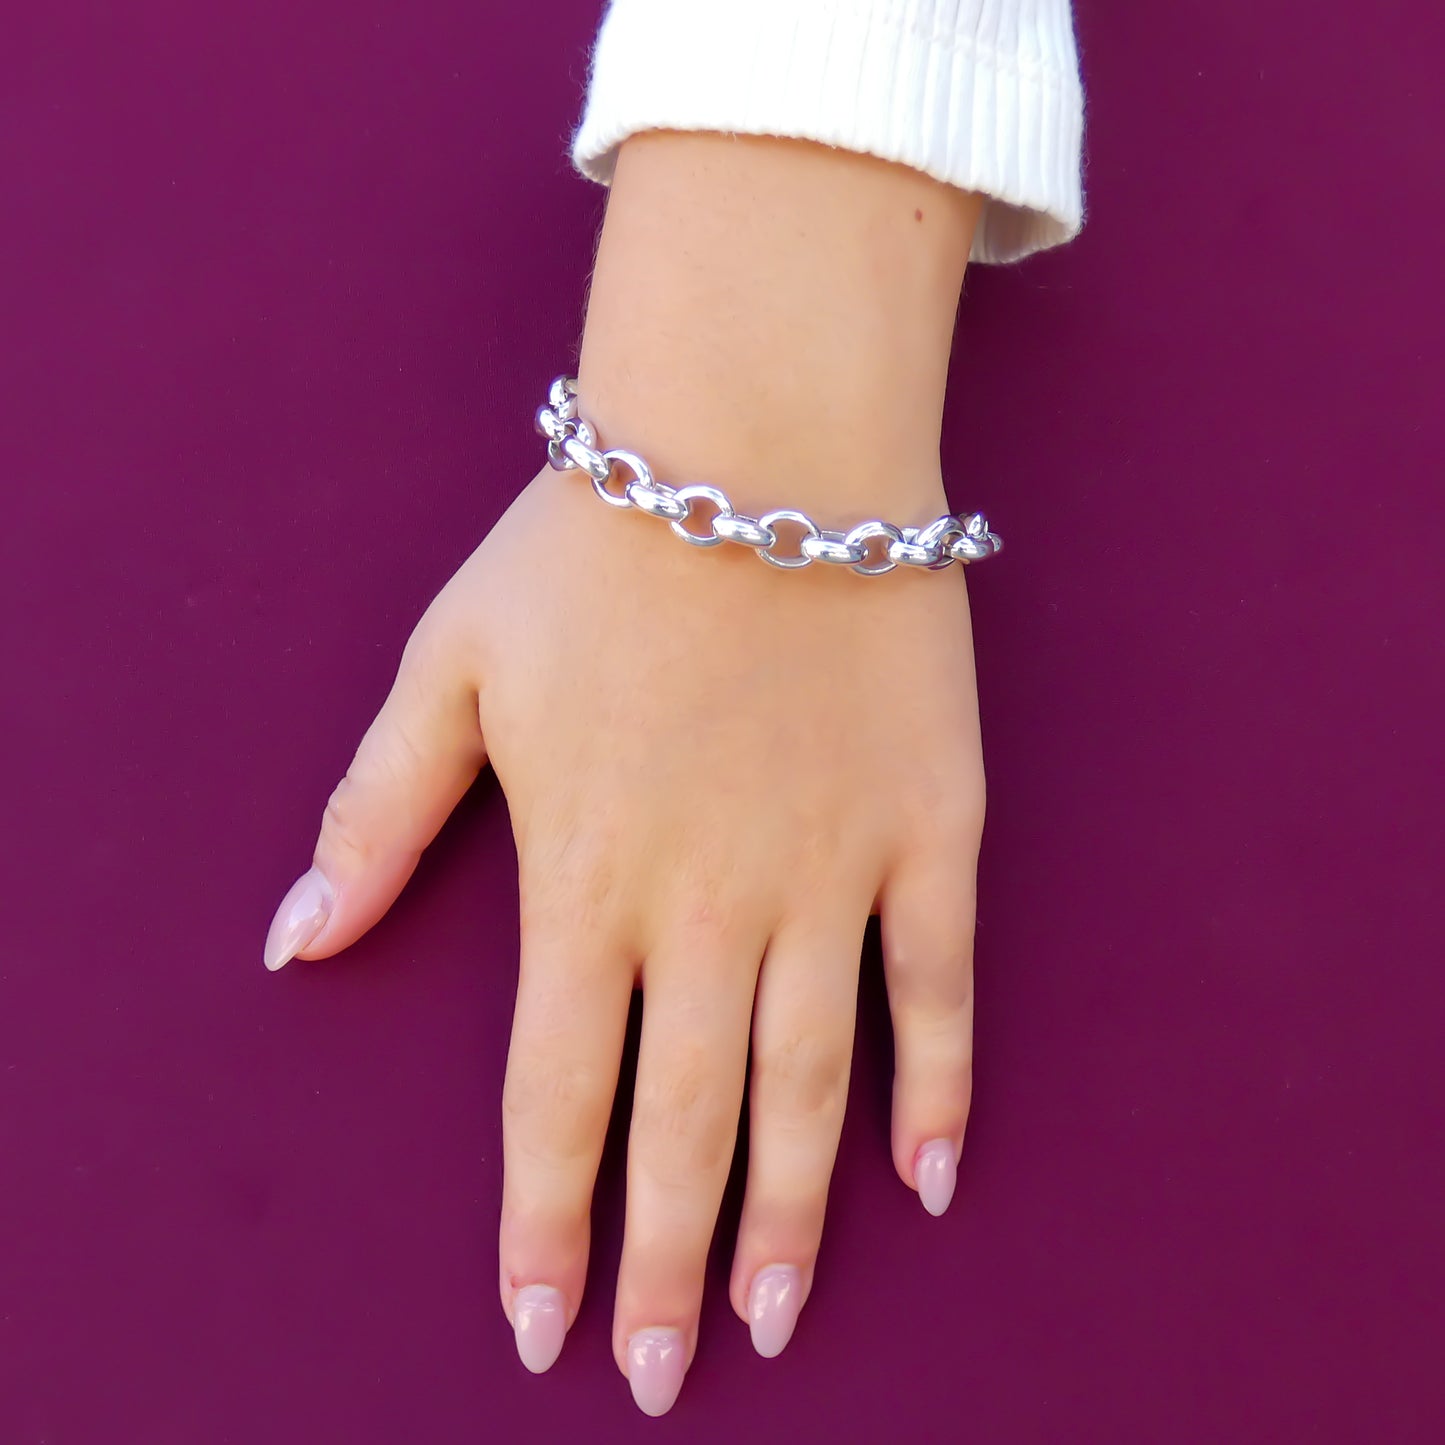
x,y
870,548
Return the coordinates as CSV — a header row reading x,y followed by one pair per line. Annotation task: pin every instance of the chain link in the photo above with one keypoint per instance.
x,y
870,548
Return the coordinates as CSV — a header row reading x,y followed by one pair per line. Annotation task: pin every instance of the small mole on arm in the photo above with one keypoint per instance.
x,y
918,215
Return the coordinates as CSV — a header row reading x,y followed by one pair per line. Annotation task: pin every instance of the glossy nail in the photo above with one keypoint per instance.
x,y
301,916
655,1365
935,1172
774,1300
539,1317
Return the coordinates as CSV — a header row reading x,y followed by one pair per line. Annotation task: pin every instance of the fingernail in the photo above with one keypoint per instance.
x,y
301,916
774,1300
654,1369
539,1317
935,1172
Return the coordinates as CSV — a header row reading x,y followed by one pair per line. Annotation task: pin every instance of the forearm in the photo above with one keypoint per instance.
x,y
764,298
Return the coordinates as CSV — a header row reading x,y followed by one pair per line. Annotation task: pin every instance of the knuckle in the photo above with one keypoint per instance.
x,y
804,1078
552,1106
709,926
342,825
929,967
437,669
935,1045
385,767
934,1000
392,757
568,880
929,917
956,818
935,1093
430,642
945,811
935,951
945,960
679,1133
697,903
701,896
945,1036
565,854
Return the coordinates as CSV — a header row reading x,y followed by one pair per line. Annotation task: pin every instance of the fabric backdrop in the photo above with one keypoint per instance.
x,y
280,286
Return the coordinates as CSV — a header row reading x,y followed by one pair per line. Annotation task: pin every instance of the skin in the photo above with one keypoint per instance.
x,y
716,771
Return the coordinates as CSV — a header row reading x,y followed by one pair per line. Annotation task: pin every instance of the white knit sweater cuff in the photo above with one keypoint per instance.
x,y
982,94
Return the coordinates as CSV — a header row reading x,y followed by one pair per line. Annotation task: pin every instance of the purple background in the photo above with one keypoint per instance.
x,y
279,286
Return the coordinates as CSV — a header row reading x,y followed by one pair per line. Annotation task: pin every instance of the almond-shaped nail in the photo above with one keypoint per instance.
x,y
655,1366
301,916
935,1172
539,1317
774,1300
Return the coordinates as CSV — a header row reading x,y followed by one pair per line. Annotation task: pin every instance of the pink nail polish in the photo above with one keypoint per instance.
x,y
774,1300
655,1365
301,916
539,1317
935,1172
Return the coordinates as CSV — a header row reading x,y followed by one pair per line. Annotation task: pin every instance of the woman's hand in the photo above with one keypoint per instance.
x,y
716,771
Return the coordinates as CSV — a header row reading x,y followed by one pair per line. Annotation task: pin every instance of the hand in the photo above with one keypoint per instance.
x,y
715,774
716,771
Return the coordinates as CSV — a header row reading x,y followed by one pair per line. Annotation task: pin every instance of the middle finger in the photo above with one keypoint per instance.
x,y
692,1060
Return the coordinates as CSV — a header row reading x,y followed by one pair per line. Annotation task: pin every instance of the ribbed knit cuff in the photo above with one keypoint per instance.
x,y
982,94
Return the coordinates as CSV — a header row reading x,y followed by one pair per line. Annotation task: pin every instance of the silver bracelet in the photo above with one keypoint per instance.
x,y
870,548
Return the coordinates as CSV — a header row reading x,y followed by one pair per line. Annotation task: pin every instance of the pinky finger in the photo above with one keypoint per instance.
x,y
928,916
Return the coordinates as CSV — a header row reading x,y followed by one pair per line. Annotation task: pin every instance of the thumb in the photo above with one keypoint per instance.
x,y
417,759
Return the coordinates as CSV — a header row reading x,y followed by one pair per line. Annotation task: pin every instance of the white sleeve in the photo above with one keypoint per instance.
x,y
982,94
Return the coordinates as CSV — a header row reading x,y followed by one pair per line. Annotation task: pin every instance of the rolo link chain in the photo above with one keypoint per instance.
x,y
870,548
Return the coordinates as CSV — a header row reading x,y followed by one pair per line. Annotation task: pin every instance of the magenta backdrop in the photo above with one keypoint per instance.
x,y
279,285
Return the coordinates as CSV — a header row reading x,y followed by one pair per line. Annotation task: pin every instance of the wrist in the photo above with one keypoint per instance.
x,y
775,317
